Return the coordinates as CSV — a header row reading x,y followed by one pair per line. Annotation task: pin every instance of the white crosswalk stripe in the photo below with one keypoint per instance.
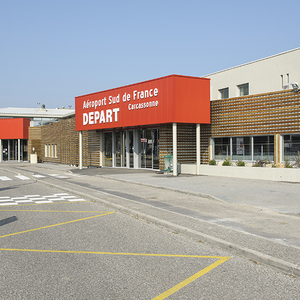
x,y
22,177
38,199
38,176
4,178
58,176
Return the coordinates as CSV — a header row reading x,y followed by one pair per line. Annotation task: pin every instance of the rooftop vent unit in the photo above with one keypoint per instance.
x,y
295,87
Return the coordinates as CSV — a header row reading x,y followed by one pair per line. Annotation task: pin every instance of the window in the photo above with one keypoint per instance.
x,y
55,150
243,89
241,148
222,148
291,146
46,150
224,93
249,148
263,147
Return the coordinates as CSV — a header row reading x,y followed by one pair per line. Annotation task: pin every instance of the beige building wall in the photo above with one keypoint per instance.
x,y
265,75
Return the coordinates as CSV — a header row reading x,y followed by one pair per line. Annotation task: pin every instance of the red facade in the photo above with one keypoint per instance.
x,y
14,129
174,98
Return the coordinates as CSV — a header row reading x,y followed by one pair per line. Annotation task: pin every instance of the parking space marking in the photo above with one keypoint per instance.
x,y
164,295
187,281
60,211
49,226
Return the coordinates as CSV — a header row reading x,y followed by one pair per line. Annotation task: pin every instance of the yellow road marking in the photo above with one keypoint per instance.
x,y
44,210
165,294
49,226
190,279
116,253
161,296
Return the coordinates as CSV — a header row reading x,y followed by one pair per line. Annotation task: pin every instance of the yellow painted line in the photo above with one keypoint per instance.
x,y
190,279
115,253
49,226
165,294
44,210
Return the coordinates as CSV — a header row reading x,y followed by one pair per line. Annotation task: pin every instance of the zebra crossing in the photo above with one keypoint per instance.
x,y
38,199
38,176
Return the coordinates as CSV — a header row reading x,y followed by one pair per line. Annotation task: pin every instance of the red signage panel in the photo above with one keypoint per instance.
x,y
169,99
14,128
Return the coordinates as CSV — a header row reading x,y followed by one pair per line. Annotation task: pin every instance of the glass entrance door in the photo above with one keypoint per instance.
x,y
108,149
149,148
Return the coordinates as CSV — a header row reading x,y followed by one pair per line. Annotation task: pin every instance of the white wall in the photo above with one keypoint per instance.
x,y
263,75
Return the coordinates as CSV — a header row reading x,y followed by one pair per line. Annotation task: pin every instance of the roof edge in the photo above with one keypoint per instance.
x,y
252,62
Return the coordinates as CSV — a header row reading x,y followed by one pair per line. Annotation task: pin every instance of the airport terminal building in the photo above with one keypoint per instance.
x,y
247,113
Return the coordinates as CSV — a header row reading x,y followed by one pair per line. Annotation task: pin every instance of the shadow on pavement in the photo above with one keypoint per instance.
x,y
8,220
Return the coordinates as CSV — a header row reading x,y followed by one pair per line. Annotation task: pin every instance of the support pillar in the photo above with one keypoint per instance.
x,y
174,130
198,149
136,151
1,151
278,149
101,148
8,149
127,150
19,150
80,150
113,149
122,148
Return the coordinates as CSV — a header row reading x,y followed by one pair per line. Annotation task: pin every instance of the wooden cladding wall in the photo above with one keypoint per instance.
x,y
34,141
186,143
262,114
63,135
91,148
69,142
51,136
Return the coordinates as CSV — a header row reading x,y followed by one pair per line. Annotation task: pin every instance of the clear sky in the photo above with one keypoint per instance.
x,y
52,51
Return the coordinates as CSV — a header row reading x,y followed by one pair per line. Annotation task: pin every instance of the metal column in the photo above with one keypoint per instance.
x,y
127,150
101,148
80,150
174,129
113,149
1,151
198,147
19,150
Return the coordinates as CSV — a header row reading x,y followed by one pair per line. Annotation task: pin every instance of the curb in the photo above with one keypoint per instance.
x,y
256,256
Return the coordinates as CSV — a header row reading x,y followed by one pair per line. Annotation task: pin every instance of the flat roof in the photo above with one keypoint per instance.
x,y
17,112
252,62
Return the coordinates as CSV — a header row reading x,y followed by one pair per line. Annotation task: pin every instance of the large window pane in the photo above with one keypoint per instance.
x,y
222,148
264,147
291,146
241,148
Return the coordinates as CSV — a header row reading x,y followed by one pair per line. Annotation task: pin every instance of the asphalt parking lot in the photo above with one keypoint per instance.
x,y
58,244
72,249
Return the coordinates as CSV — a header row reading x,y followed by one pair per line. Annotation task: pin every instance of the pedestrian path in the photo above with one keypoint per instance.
x,y
38,199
